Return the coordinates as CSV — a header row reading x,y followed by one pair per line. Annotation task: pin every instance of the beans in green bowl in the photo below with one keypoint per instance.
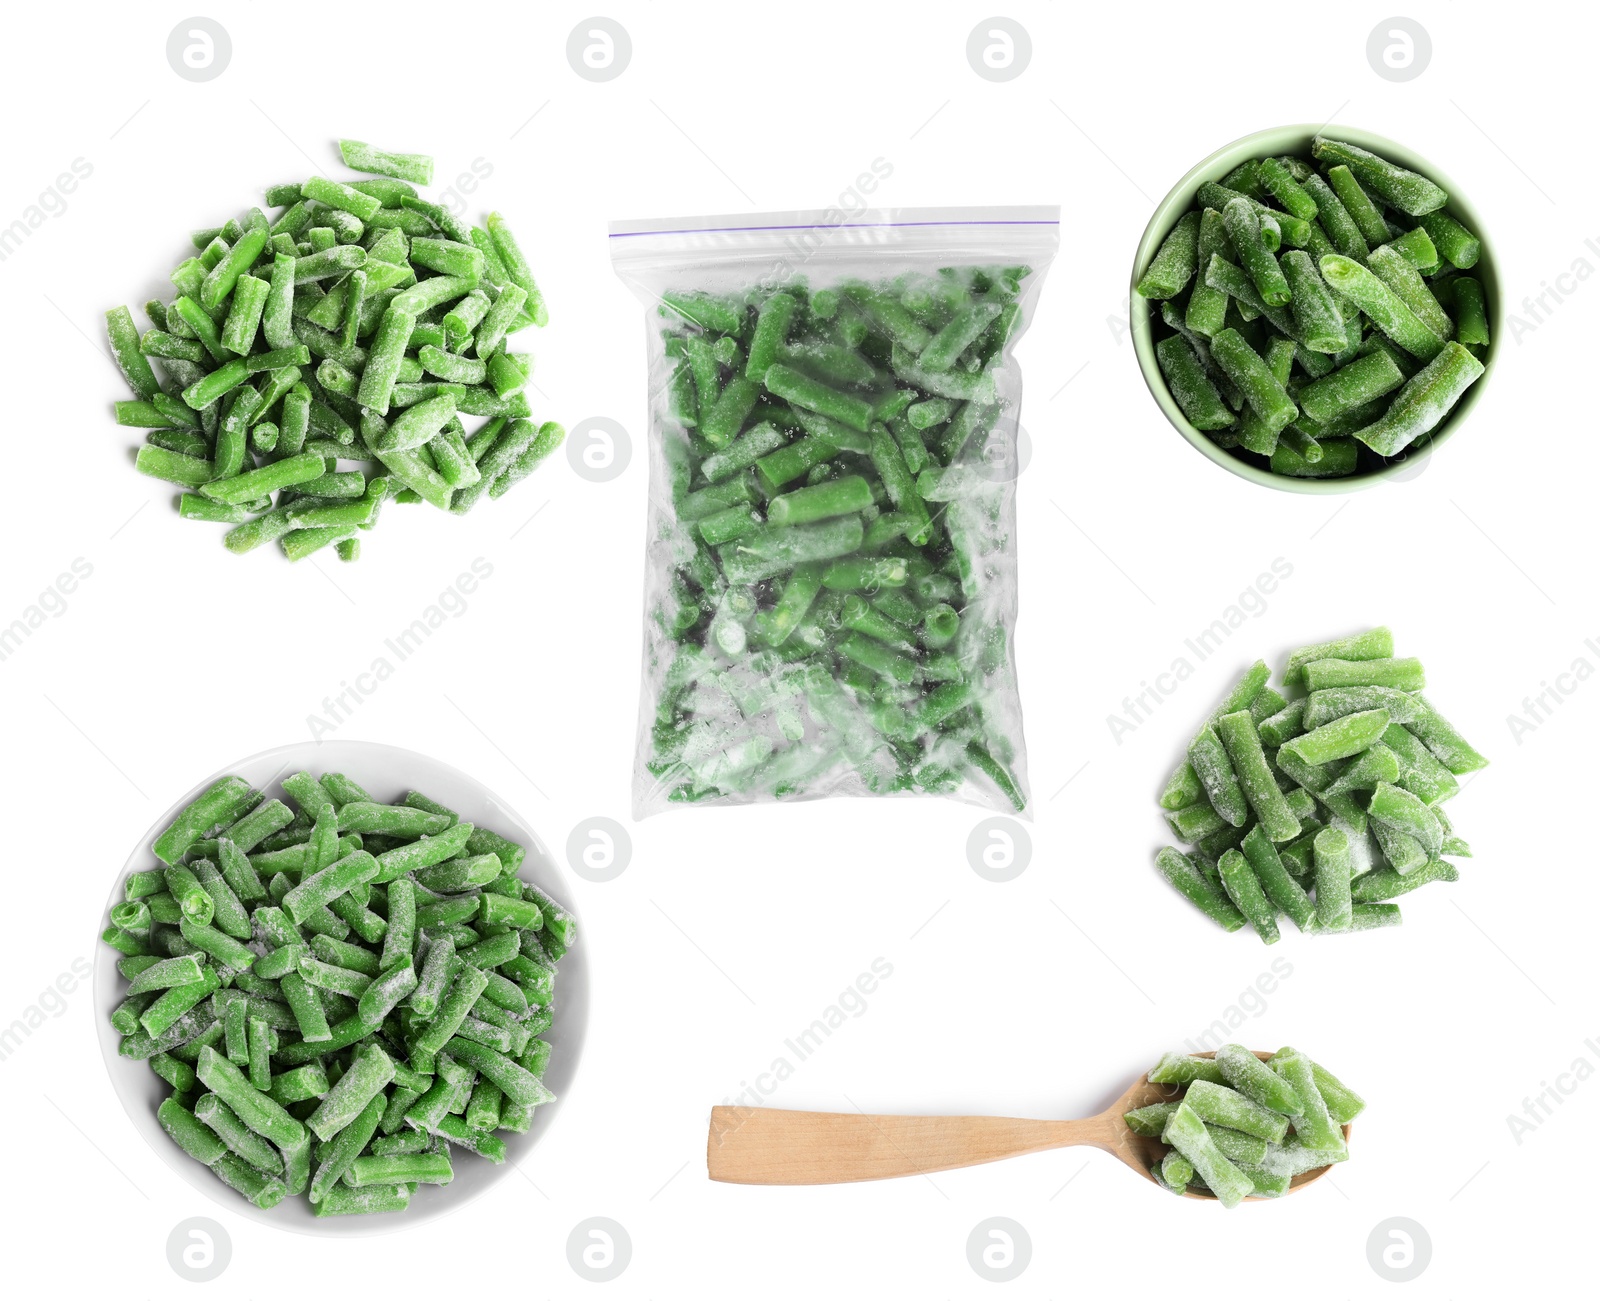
x,y
1312,313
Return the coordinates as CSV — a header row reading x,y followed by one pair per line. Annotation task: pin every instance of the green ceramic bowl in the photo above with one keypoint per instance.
x,y
1297,140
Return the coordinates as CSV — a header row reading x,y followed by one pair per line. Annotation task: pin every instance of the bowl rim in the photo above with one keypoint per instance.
x,y
571,1013
1179,199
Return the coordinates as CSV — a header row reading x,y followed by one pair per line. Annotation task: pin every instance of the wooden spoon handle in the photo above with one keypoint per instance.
x,y
752,1145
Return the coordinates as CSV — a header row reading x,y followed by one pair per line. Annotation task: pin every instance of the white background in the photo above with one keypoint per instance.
x,y
732,929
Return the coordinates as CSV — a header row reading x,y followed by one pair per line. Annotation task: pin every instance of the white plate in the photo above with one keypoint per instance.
x,y
388,773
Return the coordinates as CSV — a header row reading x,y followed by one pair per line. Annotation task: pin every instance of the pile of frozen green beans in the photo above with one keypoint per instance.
x,y
1243,1127
358,326
339,992
833,622
1340,790
1330,322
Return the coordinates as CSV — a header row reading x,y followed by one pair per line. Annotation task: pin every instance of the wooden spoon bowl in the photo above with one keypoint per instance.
x,y
760,1145
1141,1153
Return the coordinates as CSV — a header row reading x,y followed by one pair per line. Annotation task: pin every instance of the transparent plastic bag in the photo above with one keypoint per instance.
x,y
831,583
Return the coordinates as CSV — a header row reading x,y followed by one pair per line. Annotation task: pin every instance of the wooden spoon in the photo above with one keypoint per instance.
x,y
760,1145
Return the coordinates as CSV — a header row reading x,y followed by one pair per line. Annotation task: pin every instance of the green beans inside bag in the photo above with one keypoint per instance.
x,y
834,444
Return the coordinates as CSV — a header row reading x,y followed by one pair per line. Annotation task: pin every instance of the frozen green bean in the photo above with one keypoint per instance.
x,y
1406,190
1182,874
1339,739
1261,388
1315,1129
1190,385
362,157
1248,1074
1244,889
1187,1135
1424,402
1182,1068
1175,261
1446,744
1260,786
1244,233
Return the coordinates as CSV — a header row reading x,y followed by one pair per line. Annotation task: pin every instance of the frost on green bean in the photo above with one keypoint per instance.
x,y
287,336
290,1034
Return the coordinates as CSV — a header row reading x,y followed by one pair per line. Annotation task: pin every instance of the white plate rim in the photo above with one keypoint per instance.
x,y
387,771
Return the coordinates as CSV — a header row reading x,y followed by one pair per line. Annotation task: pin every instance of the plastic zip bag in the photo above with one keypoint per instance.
x,y
831,582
